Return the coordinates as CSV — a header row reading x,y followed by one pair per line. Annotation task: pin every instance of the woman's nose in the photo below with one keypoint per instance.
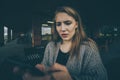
x,y
63,27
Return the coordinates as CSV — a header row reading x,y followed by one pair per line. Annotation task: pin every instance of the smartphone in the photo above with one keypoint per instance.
x,y
26,67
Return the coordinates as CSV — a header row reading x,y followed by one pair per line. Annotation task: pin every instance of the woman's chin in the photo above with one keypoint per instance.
x,y
66,39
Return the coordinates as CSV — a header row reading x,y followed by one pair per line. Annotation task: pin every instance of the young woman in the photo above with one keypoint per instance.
x,y
71,55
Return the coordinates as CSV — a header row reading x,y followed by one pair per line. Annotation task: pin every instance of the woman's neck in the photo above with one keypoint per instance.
x,y
65,46
66,42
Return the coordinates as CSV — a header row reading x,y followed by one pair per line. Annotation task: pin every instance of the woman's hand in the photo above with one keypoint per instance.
x,y
60,72
58,67
40,67
61,75
55,67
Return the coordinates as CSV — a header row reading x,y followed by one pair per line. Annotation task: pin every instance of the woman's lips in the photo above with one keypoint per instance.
x,y
64,35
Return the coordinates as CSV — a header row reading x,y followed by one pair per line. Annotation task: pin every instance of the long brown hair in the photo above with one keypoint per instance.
x,y
79,35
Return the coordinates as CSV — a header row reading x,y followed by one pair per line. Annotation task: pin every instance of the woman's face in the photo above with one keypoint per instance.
x,y
65,26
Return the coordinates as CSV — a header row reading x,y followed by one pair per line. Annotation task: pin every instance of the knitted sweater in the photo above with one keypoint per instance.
x,y
88,67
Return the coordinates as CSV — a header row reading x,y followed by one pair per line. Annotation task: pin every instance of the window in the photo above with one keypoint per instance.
x,y
5,34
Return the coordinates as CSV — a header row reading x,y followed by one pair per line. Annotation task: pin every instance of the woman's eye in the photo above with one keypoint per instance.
x,y
58,23
67,22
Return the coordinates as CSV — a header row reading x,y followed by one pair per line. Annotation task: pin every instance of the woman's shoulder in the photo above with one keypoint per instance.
x,y
89,44
52,44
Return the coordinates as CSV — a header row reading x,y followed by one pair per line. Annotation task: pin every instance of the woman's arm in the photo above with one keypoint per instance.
x,y
92,66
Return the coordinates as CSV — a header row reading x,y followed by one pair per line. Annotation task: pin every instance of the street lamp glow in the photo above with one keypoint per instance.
x,y
44,24
50,22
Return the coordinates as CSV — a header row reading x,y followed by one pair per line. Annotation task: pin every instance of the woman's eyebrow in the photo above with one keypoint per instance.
x,y
63,21
67,21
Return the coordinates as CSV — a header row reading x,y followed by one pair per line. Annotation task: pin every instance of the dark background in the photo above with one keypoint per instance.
x,y
19,14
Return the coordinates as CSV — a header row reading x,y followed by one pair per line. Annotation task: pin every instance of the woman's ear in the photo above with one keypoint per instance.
x,y
76,25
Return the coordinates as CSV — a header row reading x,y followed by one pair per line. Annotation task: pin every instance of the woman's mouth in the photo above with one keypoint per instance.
x,y
64,35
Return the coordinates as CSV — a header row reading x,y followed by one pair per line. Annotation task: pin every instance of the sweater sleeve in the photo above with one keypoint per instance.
x,y
92,67
46,56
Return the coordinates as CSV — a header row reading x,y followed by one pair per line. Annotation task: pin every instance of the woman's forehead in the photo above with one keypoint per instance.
x,y
63,17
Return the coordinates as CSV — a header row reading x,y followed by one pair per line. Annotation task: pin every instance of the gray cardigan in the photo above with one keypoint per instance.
x,y
88,67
